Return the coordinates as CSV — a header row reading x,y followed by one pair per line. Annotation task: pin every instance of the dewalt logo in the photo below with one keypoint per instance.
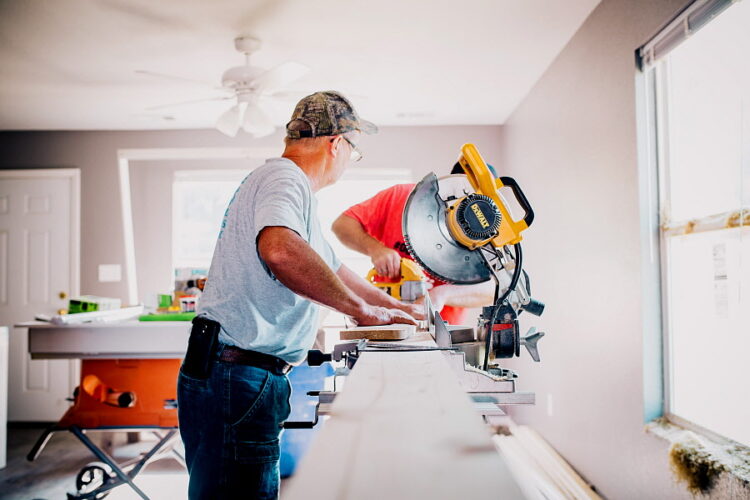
x,y
480,216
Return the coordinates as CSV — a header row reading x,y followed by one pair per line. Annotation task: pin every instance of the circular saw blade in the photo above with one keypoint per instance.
x,y
430,243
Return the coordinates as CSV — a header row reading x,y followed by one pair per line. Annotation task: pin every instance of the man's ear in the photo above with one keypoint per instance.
x,y
333,145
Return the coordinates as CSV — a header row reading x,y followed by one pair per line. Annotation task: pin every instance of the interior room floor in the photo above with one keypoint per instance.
x,y
53,474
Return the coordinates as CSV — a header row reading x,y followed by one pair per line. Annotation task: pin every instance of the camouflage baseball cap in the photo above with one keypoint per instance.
x,y
327,113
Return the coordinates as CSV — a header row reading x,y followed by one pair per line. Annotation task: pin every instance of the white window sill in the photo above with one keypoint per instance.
x,y
721,469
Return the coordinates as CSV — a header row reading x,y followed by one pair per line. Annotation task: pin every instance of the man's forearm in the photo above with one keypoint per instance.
x,y
350,232
387,261
300,268
374,295
365,290
479,295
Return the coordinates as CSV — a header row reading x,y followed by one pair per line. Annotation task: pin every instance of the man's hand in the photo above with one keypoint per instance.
x,y
415,310
375,296
478,295
376,315
387,262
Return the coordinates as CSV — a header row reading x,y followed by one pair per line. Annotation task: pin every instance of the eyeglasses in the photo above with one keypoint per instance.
x,y
356,153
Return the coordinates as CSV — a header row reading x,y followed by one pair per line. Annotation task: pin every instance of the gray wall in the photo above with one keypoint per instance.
x,y
572,146
422,149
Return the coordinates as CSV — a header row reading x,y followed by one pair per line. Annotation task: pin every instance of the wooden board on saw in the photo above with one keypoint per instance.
x,y
380,332
402,428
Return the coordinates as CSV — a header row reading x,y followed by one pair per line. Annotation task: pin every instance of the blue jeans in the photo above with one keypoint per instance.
x,y
231,424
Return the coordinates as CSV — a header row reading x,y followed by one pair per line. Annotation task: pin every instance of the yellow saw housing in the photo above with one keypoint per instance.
x,y
409,287
482,217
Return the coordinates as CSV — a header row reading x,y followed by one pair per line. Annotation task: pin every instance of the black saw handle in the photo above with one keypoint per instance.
x,y
522,200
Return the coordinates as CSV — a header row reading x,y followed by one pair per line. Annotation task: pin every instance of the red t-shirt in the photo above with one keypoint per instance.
x,y
380,217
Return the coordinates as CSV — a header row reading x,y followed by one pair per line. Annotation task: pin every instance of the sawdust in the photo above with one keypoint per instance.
x,y
503,430
709,468
661,422
694,466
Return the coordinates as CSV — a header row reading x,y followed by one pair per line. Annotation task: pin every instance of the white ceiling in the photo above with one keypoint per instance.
x,y
70,64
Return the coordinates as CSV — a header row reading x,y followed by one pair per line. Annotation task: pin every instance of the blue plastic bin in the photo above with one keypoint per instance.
x,y
295,442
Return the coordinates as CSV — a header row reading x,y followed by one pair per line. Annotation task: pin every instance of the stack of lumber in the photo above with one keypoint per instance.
x,y
539,470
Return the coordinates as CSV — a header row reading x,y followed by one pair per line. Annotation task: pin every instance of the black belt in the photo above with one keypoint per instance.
x,y
232,354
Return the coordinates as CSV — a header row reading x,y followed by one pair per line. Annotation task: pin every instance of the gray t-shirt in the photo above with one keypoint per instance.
x,y
256,311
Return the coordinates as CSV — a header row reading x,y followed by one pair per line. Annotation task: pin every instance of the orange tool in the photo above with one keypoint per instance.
x,y
126,395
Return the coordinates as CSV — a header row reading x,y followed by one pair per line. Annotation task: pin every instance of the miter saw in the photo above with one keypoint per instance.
x,y
467,235
459,228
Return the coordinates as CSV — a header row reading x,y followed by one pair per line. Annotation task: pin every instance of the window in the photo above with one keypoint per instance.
x,y
700,98
199,200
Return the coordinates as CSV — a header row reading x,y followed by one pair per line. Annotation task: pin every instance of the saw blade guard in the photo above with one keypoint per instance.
x,y
430,242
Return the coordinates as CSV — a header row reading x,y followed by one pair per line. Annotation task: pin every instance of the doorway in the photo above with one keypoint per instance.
x,y
39,271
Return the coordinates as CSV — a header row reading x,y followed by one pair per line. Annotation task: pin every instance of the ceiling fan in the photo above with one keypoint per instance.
x,y
248,85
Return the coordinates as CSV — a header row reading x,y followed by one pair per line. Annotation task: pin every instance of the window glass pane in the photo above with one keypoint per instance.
x,y
709,84
198,208
705,162
709,318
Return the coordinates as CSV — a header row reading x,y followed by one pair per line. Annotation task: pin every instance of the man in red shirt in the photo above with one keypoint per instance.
x,y
374,228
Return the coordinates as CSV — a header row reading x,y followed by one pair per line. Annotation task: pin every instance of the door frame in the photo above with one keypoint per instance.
x,y
74,174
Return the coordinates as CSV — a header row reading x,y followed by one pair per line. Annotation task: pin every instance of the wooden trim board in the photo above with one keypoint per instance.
x,y
402,428
381,332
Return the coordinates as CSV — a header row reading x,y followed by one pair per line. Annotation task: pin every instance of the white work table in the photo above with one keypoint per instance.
x,y
126,339
402,428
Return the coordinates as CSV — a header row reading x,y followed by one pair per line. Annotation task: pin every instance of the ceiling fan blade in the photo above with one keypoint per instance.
x,y
193,101
230,120
256,122
287,95
178,78
281,75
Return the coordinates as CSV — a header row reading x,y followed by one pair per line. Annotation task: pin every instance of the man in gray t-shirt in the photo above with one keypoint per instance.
x,y
258,313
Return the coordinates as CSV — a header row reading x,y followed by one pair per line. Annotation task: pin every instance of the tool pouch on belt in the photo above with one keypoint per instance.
x,y
204,339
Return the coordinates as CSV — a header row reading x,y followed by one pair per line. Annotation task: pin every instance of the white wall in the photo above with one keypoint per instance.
x,y
422,149
572,146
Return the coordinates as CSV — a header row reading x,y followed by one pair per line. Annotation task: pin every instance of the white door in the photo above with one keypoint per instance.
x,y
39,252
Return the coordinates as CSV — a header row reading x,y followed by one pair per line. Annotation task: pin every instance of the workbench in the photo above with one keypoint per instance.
x,y
402,428
120,340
